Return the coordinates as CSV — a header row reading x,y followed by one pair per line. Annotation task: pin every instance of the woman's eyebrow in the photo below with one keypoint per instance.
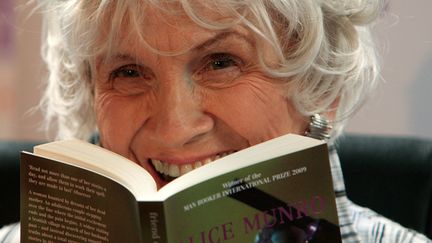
x,y
220,38
120,57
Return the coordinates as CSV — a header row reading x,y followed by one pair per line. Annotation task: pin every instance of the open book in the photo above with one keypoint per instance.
x,y
73,191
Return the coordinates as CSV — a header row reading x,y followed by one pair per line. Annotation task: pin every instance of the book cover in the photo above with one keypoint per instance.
x,y
64,203
289,198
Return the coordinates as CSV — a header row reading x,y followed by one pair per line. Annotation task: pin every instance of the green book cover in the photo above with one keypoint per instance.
x,y
290,196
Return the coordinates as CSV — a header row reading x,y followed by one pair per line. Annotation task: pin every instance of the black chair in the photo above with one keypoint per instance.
x,y
9,179
391,175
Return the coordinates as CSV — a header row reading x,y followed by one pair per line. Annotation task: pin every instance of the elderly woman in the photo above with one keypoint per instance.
x,y
178,82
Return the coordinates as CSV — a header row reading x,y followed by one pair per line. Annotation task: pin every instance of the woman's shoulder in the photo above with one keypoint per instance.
x,y
372,227
10,233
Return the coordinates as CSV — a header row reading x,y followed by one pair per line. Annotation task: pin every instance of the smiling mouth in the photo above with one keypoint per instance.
x,y
170,171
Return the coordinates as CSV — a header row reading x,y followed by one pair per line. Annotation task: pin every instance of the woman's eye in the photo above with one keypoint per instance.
x,y
221,62
219,69
128,71
130,79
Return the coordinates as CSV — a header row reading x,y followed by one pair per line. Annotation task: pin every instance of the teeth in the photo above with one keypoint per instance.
x,y
207,161
165,168
185,169
158,165
174,170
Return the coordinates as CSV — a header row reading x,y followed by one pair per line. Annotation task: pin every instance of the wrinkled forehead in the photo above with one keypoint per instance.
x,y
163,26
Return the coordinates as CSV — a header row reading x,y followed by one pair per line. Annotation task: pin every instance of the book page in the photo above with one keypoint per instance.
x,y
102,161
63,203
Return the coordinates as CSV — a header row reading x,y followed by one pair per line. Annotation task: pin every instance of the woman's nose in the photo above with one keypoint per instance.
x,y
178,117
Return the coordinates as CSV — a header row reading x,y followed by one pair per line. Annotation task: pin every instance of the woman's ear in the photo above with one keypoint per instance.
x,y
320,126
330,114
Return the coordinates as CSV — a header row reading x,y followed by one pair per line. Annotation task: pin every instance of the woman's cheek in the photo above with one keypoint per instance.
x,y
114,121
255,107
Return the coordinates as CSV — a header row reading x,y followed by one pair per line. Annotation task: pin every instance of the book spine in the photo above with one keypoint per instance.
x,y
153,225
24,202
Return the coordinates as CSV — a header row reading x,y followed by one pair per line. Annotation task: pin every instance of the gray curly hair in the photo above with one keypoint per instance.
x,y
324,47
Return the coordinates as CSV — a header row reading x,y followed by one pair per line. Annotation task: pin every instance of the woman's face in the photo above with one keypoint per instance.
x,y
174,113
